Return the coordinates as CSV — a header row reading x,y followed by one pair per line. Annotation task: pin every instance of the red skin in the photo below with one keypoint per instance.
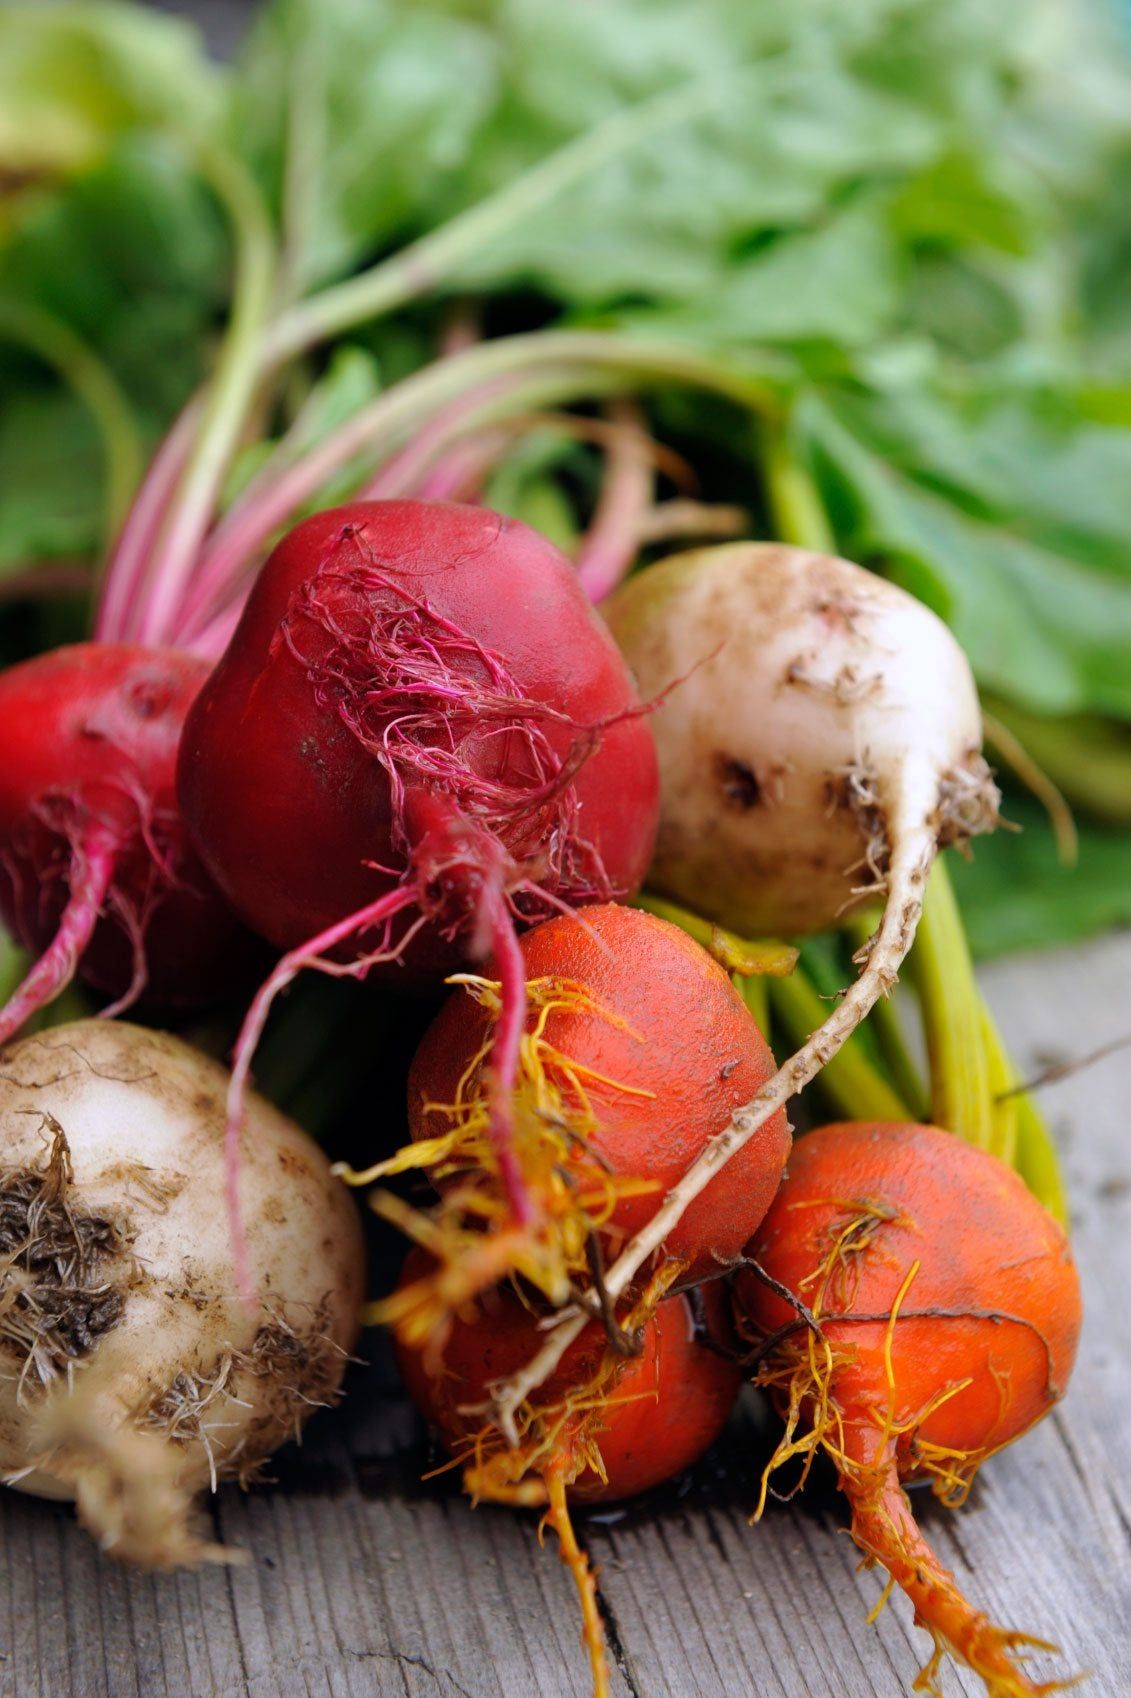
x,y
678,1392
288,807
685,1035
90,736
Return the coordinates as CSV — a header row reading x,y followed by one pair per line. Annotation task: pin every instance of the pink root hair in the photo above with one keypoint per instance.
x,y
312,954
504,1058
486,815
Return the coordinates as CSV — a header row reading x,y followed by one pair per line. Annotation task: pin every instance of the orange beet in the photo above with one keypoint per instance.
x,y
949,1311
665,1049
670,1402
603,1426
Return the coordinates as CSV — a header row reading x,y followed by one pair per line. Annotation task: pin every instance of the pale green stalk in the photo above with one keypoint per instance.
x,y
943,972
856,1089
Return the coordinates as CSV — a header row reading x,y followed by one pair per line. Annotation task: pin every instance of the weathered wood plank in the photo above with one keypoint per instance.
x,y
364,1584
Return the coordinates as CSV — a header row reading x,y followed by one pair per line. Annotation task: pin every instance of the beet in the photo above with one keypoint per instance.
x,y
96,875
420,737
411,682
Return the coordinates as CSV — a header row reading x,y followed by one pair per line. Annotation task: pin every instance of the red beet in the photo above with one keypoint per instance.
x,y
96,876
420,736
407,674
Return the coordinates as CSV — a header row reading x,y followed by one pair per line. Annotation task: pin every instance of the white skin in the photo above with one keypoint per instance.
x,y
176,1382
798,674
855,715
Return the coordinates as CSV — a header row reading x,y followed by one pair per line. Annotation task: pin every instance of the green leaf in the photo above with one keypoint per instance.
x,y
785,129
1015,895
352,113
133,256
838,283
1006,515
964,201
73,77
51,479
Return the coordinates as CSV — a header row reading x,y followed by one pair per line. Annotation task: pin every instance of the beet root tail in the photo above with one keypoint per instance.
x,y
310,954
593,1633
128,1493
91,872
884,1526
503,1062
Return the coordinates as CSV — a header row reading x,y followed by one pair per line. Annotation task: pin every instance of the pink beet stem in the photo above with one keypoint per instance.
x,y
119,597
611,543
505,1050
459,474
400,475
91,871
225,560
218,633
289,966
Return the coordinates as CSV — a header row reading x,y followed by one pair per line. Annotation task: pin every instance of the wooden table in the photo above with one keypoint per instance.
x,y
365,1583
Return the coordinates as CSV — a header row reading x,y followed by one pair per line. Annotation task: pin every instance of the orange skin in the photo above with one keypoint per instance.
x,y
604,1427
669,1403
984,1243
680,1032
999,1274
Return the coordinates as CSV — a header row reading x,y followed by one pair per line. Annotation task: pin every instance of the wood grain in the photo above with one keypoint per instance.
x,y
364,1583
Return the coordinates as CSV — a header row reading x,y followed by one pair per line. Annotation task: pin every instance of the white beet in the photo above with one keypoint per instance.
x,y
116,1280
820,742
821,712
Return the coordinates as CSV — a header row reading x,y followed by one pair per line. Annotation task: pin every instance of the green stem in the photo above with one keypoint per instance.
x,y
756,996
228,397
848,1080
96,386
1002,1081
1037,1161
425,264
796,508
1023,1139
748,958
305,147
887,1029
943,972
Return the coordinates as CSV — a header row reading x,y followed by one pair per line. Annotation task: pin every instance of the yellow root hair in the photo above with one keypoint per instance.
x,y
585,1580
470,1233
800,1366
